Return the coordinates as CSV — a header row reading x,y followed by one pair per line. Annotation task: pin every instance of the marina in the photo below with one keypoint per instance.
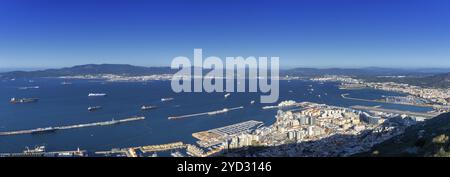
x,y
53,129
223,132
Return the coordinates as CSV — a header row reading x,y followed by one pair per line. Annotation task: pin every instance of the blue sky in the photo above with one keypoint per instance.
x,y
311,33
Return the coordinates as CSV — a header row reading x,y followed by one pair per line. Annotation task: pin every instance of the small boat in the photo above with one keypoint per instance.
x,y
94,108
252,102
227,95
144,107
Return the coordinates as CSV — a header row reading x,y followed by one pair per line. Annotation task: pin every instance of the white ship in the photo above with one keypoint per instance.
x,y
96,94
144,107
37,149
227,95
94,108
166,99
283,104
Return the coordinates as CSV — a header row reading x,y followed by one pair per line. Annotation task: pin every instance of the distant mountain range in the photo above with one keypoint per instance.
x,y
438,80
92,69
368,71
422,77
429,138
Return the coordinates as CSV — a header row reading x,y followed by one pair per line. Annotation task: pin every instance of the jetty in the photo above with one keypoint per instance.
x,y
53,129
210,113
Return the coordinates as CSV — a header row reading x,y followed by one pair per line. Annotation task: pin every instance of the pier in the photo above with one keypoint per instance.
x,y
206,113
133,151
74,153
162,147
52,129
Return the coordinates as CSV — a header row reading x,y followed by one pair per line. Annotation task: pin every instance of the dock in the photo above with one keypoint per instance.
x,y
162,147
210,113
132,151
52,129
43,153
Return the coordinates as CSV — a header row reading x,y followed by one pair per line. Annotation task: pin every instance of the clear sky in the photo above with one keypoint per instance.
x,y
311,33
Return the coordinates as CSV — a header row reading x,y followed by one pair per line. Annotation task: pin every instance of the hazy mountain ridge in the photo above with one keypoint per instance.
x,y
438,80
92,69
421,77
368,71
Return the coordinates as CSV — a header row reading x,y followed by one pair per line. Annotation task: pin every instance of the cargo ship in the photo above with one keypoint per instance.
x,y
26,88
283,104
23,100
94,108
144,107
96,94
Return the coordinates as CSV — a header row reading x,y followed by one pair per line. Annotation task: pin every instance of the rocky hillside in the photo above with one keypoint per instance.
x,y
429,138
